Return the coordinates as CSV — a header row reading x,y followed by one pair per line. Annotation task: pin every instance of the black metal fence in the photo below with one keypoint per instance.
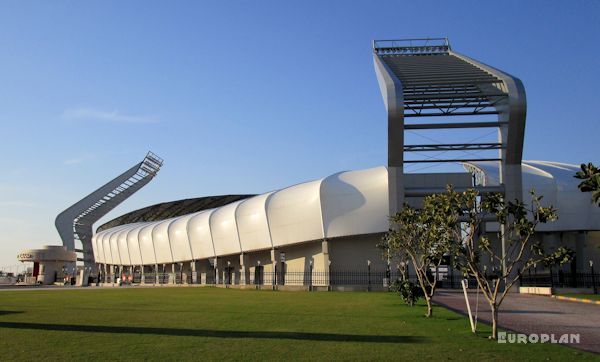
x,y
366,278
561,279
447,279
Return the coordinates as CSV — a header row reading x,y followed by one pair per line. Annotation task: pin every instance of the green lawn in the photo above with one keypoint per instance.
x,y
210,323
583,296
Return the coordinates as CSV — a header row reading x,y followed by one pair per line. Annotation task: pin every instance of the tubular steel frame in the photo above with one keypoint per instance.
x,y
76,222
422,78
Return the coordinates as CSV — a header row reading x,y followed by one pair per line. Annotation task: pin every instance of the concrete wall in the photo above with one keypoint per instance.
x,y
585,244
352,253
592,248
49,270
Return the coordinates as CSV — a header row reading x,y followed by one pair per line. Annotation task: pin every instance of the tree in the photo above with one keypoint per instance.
x,y
590,175
425,236
519,222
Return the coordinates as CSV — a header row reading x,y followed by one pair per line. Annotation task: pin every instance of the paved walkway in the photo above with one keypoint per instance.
x,y
535,314
12,288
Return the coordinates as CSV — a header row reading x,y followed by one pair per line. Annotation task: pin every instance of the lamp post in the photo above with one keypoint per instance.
x,y
181,274
228,281
485,272
258,275
274,278
369,275
593,277
215,271
215,275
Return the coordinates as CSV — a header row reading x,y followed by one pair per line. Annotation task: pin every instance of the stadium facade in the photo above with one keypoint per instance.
x,y
318,234
312,232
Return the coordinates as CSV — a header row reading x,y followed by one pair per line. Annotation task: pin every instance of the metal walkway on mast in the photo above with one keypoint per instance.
x,y
76,222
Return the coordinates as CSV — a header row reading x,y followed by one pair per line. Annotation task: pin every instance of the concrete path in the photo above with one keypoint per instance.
x,y
12,288
534,314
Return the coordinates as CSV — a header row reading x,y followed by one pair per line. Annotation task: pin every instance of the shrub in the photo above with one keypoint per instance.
x,y
410,292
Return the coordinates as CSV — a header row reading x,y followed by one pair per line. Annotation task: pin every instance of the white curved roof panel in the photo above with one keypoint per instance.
x,y
106,246
146,244
123,247
224,229
133,243
162,246
98,257
355,202
556,183
114,248
253,226
294,214
178,236
100,246
200,236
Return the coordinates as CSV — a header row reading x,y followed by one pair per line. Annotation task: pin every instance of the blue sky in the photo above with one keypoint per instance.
x,y
246,97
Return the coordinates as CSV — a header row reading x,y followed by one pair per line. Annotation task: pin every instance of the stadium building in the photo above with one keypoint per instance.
x,y
324,234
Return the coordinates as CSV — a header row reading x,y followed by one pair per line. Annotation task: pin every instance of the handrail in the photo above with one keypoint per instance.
x,y
412,46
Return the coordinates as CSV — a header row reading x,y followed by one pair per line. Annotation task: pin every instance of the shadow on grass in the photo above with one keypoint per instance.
x,y
5,312
330,337
142,308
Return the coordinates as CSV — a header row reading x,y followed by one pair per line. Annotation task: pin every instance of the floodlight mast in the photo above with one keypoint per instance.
x,y
421,78
76,222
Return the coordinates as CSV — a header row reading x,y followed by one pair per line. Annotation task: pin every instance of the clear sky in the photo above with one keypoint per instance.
x,y
249,96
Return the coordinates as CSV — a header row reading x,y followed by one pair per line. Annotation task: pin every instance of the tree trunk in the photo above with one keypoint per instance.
x,y
494,321
429,308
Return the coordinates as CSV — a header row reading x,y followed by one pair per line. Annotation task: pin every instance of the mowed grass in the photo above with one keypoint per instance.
x,y
229,324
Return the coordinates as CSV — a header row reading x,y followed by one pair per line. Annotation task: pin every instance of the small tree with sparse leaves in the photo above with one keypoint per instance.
x,y
519,222
423,235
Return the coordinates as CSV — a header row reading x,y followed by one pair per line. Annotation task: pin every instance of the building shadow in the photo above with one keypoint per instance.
x,y
329,337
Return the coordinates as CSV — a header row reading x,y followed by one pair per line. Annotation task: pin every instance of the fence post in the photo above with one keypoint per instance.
x,y
388,275
593,278
369,275
451,276
551,279
310,288
519,277
329,276
561,277
274,275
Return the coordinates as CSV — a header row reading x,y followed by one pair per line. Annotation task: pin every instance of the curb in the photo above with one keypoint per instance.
x,y
570,299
